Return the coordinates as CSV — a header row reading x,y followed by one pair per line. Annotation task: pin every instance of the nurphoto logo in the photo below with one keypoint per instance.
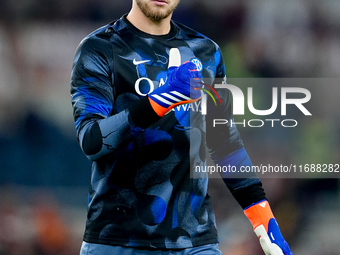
x,y
281,97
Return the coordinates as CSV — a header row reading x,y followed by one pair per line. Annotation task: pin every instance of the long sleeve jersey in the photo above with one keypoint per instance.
x,y
142,191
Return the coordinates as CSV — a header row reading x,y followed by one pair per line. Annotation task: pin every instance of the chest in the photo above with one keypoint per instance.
x,y
141,66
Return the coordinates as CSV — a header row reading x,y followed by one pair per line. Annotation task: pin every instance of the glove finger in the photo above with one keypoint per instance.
x,y
270,248
265,244
275,249
286,249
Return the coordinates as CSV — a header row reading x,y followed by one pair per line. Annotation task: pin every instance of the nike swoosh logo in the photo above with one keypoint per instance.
x,y
136,63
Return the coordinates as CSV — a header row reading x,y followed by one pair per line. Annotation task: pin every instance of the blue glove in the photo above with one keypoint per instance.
x,y
267,229
180,86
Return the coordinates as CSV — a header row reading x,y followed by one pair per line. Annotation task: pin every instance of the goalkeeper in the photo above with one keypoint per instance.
x,y
131,83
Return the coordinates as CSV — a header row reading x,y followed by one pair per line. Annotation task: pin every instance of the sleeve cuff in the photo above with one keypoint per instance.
x,y
249,195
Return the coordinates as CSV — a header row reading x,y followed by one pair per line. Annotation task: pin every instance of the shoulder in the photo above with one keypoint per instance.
x,y
95,45
188,33
98,37
94,49
206,49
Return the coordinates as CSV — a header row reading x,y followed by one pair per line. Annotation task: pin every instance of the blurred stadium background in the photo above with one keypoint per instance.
x,y
44,175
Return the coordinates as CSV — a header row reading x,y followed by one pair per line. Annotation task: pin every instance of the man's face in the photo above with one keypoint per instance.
x,y
157,9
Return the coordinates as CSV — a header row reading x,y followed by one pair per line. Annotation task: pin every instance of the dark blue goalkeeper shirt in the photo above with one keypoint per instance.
x,y
141,191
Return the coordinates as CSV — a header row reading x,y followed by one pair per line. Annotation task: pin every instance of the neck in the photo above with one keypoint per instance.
x,y
147,25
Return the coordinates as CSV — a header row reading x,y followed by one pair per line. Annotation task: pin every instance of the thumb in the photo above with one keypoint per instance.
x,y
174,58
268,247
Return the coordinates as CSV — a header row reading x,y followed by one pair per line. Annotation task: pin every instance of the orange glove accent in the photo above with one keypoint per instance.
x,y
259,214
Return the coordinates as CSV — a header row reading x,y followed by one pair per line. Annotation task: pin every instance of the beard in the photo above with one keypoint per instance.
x,y
157,13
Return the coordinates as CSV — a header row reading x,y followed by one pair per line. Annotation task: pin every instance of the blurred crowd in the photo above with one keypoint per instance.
x,y
42,164
34,222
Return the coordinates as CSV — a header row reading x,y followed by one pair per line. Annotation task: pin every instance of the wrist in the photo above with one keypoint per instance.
x,y
259,213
